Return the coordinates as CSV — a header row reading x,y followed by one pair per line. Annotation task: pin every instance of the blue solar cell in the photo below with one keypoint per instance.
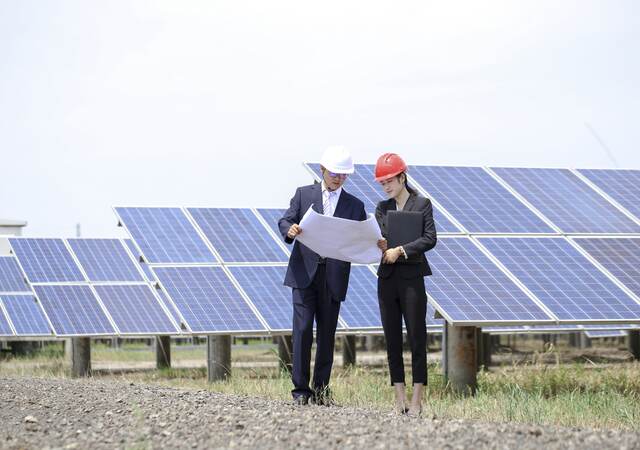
x,y
360,309
621,185
595,334
5,328
468,287
620,256
26,315
568,202
479,202
73,310
207,299
135,309
568,284
169,305
238,235
136,255
105,260
165,235
362,184
11,277
263,285
271,217
45,260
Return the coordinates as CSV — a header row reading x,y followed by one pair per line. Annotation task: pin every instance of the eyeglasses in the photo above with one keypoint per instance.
x,y
338,175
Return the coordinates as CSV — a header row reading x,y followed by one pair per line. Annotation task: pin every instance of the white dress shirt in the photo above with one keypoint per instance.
x,y
330,199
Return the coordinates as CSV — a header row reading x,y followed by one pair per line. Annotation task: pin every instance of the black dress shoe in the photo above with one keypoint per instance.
x,y
301,400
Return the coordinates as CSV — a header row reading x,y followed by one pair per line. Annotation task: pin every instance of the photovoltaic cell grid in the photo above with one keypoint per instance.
x,y
136,255
263,285
46,260
105,260
469,287
238,235
361,310
568,202
5,328
26,315
165,235
620,256
207,299
272,216
479,202
73,310
566,282
11,277
135,309
621,185
362,184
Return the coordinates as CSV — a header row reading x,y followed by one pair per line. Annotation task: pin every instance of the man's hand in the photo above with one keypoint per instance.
x,y
294,230
391,255
382,245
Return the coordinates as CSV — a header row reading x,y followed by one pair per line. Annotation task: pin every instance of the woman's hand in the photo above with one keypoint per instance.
x,y
391,255
294,230
382,245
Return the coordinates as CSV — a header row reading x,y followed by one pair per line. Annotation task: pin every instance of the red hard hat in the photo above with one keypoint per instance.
x,y
388,166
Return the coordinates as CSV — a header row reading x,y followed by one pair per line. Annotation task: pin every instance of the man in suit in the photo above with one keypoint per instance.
x,y
318,284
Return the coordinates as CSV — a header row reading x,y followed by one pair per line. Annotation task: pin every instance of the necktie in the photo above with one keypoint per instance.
x,y
327,205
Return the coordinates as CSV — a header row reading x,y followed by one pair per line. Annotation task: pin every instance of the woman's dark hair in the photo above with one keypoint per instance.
x,y
406,183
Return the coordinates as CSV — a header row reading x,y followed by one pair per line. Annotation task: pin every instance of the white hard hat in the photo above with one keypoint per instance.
x,y
337,159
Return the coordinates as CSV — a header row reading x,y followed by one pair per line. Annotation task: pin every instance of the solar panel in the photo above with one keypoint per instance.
x,y
605,334
165,235
5,328
207,299
238,235
11,277
620,256
26,315
467,287
271,216
136,255
135,310
73,310
479,202
45,260
360,309
105,260
621,185
362,184
263,285
568,284
568,202
169,305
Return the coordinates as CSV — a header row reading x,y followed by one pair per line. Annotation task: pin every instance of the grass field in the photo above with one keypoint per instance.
x,y
577,394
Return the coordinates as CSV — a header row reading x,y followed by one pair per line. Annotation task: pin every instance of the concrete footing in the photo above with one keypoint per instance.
x,y
80,357
218,357
163,352
461,358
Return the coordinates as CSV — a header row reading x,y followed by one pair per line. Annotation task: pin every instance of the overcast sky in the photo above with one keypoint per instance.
x,y
218,103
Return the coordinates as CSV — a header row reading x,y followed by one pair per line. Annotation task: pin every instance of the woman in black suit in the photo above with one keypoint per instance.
x,y
401,292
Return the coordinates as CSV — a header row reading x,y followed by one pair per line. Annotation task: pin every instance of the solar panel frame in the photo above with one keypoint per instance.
x,y
136,254
203,330
589,266
231,248
268,216
6,327
445,224
541,316
467,193
570,204
92,260
149,246
27,319
114,304
12,278
599,334
27,249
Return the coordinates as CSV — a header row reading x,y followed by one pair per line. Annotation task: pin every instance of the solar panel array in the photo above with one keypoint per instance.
x,y
623,186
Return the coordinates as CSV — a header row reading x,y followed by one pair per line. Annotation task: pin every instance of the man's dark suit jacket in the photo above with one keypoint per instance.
x,y
416,265
303,262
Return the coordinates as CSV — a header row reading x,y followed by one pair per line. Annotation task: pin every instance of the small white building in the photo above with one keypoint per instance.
x,y
9,228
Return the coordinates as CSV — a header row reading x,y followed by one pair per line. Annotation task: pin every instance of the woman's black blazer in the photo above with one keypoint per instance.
x,y
416,265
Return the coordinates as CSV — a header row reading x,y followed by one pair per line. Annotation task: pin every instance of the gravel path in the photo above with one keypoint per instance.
x,y
46,413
